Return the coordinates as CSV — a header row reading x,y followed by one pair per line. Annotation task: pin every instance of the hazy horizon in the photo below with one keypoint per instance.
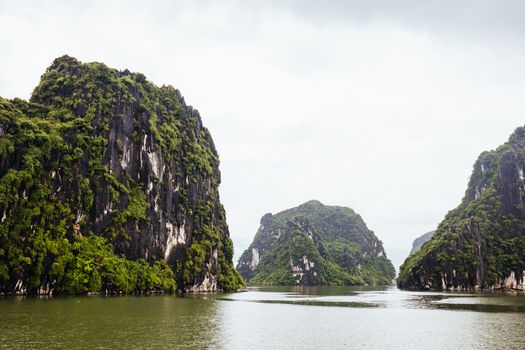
x,y
380,108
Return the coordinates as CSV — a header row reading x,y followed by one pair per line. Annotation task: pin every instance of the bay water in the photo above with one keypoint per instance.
x,y
268,318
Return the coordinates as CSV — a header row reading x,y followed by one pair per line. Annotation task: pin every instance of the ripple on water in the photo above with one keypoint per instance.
x,y
269,318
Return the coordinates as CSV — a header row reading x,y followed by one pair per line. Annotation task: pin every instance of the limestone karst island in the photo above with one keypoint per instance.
x,y
109,184
315,244
480,244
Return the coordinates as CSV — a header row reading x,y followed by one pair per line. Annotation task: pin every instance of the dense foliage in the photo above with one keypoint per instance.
x,y
482,241
314,244
88,171
274,267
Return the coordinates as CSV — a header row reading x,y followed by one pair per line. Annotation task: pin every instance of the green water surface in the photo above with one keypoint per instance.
x,y
268,318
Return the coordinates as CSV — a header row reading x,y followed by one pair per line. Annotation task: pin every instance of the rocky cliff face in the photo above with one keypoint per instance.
x,y
481,243
104,153
314,244
418,242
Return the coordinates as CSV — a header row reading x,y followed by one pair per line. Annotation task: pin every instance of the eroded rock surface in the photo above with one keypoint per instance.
x,y
103,152
315,244
481,243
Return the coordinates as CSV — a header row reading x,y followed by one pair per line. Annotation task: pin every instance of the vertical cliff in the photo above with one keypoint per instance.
x,y
481,243
104,154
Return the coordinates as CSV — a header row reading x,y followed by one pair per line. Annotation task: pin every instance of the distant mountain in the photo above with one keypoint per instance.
x,y
315,244
109,183
481,243
418,242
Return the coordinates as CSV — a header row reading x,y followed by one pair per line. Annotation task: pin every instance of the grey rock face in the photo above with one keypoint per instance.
x,y
418,242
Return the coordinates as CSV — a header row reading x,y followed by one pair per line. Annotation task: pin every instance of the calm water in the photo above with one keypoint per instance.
x,y
270,318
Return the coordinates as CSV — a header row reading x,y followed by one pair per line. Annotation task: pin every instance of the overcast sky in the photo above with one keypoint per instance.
x,y
379,107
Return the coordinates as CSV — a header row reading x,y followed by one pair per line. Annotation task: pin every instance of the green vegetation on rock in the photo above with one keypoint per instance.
x,y
108,183
314,244
481,243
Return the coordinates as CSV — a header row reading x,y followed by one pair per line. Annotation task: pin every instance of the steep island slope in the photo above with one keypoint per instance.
x,y
315,244
481,243
109,183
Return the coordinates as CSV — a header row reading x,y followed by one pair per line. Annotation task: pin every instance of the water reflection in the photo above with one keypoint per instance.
x,y
268,318
165,322
368,318
382,297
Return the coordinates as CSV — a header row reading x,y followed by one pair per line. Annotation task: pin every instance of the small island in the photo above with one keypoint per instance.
x,y
315,244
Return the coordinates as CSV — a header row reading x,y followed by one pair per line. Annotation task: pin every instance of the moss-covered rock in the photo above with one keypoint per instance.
x,y
481,243
100,155
315,244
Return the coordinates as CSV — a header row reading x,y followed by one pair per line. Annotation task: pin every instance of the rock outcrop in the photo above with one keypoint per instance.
x,y
418,242
314,244
481,243
104,153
